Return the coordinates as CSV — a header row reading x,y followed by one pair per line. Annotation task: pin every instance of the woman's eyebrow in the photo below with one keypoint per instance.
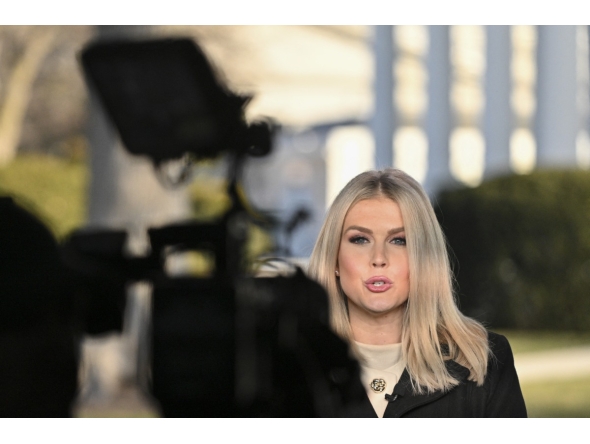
x,y
368,231
359,228
396,230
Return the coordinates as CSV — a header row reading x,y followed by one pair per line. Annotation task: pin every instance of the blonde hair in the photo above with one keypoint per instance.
x,y
431,318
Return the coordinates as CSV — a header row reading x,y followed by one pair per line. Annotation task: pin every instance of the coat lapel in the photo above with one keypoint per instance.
x,y
403,398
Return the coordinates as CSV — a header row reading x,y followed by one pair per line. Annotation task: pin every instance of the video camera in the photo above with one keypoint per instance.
x,y
228,344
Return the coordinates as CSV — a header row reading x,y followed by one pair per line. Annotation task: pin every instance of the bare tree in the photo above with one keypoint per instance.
x,y
18,88
42,94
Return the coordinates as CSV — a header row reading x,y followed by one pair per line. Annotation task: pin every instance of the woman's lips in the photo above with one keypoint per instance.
x,y
378,284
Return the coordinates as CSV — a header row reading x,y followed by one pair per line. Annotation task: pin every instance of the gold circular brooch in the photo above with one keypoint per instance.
x,y
378,385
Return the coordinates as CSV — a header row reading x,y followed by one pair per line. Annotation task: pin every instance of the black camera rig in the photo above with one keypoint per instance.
x,y
229,344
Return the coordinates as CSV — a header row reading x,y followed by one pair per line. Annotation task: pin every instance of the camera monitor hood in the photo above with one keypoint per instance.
x,y
166,101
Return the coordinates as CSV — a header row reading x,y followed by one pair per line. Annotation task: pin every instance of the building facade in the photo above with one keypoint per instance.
x,y
452,106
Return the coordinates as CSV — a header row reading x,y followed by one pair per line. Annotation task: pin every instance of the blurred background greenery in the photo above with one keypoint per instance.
x,y
522,249
51,187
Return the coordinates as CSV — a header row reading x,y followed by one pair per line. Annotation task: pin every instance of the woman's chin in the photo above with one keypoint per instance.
x,y
383,307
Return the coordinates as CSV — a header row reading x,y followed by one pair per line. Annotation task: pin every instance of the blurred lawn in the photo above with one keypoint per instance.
x,y
121,410
53,189
558,399
532,341
552,399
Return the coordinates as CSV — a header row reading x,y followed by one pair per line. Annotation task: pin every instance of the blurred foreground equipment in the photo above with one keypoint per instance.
x,y
226,344
38,365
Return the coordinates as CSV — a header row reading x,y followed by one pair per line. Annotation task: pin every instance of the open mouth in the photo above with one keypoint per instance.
x,y
378,284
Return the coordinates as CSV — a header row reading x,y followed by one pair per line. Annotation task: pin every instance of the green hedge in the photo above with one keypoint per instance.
x,y
521,249
52,188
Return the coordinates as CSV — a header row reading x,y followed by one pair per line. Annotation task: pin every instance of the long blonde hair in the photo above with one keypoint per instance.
x,y
431,318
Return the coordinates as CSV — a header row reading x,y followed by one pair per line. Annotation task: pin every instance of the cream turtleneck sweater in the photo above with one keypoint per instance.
x,y
380,362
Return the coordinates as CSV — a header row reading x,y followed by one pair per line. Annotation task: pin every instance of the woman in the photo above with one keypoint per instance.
x,y
381,256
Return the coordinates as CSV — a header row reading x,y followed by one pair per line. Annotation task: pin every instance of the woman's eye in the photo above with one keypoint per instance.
x,y
399,241
358,240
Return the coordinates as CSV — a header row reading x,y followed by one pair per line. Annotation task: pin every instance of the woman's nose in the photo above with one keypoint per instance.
x,y
379,259
379,263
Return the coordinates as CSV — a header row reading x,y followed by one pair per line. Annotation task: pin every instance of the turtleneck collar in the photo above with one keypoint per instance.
x,y
380,357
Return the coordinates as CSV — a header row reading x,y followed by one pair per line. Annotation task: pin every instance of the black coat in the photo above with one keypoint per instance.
x,y
500,395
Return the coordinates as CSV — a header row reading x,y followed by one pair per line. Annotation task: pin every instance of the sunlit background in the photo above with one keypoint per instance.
x,y
448,104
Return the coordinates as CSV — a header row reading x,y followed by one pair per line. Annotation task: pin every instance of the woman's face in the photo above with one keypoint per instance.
x,y
373,259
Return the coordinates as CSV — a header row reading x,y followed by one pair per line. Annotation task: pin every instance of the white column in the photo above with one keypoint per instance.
x,y
382,122
438,115
556,118
497,120
583,140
